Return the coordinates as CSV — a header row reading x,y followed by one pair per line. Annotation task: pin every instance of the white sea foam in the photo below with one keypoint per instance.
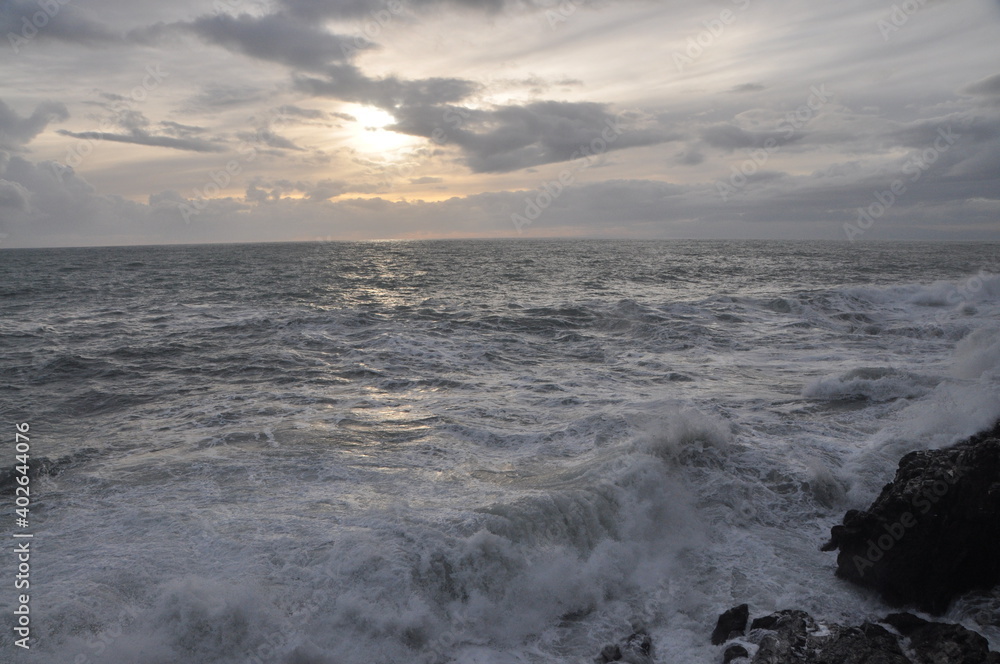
x,y
514,477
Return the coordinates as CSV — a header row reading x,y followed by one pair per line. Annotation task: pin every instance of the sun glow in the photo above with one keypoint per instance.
x,y
371,133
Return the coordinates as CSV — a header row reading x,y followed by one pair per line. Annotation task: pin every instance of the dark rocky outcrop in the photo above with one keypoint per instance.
x,y
795,637
934,531
636,649
735,653
940,642
731,624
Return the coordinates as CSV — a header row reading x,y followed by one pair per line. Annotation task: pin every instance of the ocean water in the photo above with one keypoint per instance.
x,y
469,451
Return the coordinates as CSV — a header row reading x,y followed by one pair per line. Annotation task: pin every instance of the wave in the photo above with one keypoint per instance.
x,y
871,384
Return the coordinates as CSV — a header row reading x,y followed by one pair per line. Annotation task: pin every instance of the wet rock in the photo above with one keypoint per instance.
x,y
941,643
867,644
731,624
735,652
933,533
795,637
636,649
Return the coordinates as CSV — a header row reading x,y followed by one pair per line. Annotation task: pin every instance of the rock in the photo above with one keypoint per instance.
x,y
794,637
934,531
735,651
636,649
941,643
867,644
731,624
609,653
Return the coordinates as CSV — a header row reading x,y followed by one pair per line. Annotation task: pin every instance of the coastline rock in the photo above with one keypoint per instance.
x,y
636,649
731,624
735,653
939,643
933,533
795,637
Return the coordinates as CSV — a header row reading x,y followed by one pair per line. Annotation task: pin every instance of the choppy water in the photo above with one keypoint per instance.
x,y
469,451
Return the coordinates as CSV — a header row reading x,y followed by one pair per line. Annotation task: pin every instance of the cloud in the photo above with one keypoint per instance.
x,y
690,157
13,196
426,180
313,10
22,21
17,131
347,83
141,137
509,138
989,86
274,38
180,130
290,110
216,96
747,87
268,138
729,137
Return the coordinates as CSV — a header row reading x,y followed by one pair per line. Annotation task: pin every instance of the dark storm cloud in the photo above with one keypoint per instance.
x,y
347,83
509,138
22,21
17,131
274,38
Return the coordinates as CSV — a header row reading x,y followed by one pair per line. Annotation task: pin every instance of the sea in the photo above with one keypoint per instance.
x,y
471,451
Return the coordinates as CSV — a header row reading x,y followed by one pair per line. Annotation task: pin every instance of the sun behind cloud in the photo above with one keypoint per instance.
x,y
372,135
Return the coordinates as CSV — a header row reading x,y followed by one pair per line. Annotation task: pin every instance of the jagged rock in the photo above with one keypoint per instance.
x,y
940,643
731,624
636,649
794,637
933,533
734,652
867,644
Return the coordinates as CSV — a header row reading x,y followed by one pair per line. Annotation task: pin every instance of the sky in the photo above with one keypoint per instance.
x,y
127,122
